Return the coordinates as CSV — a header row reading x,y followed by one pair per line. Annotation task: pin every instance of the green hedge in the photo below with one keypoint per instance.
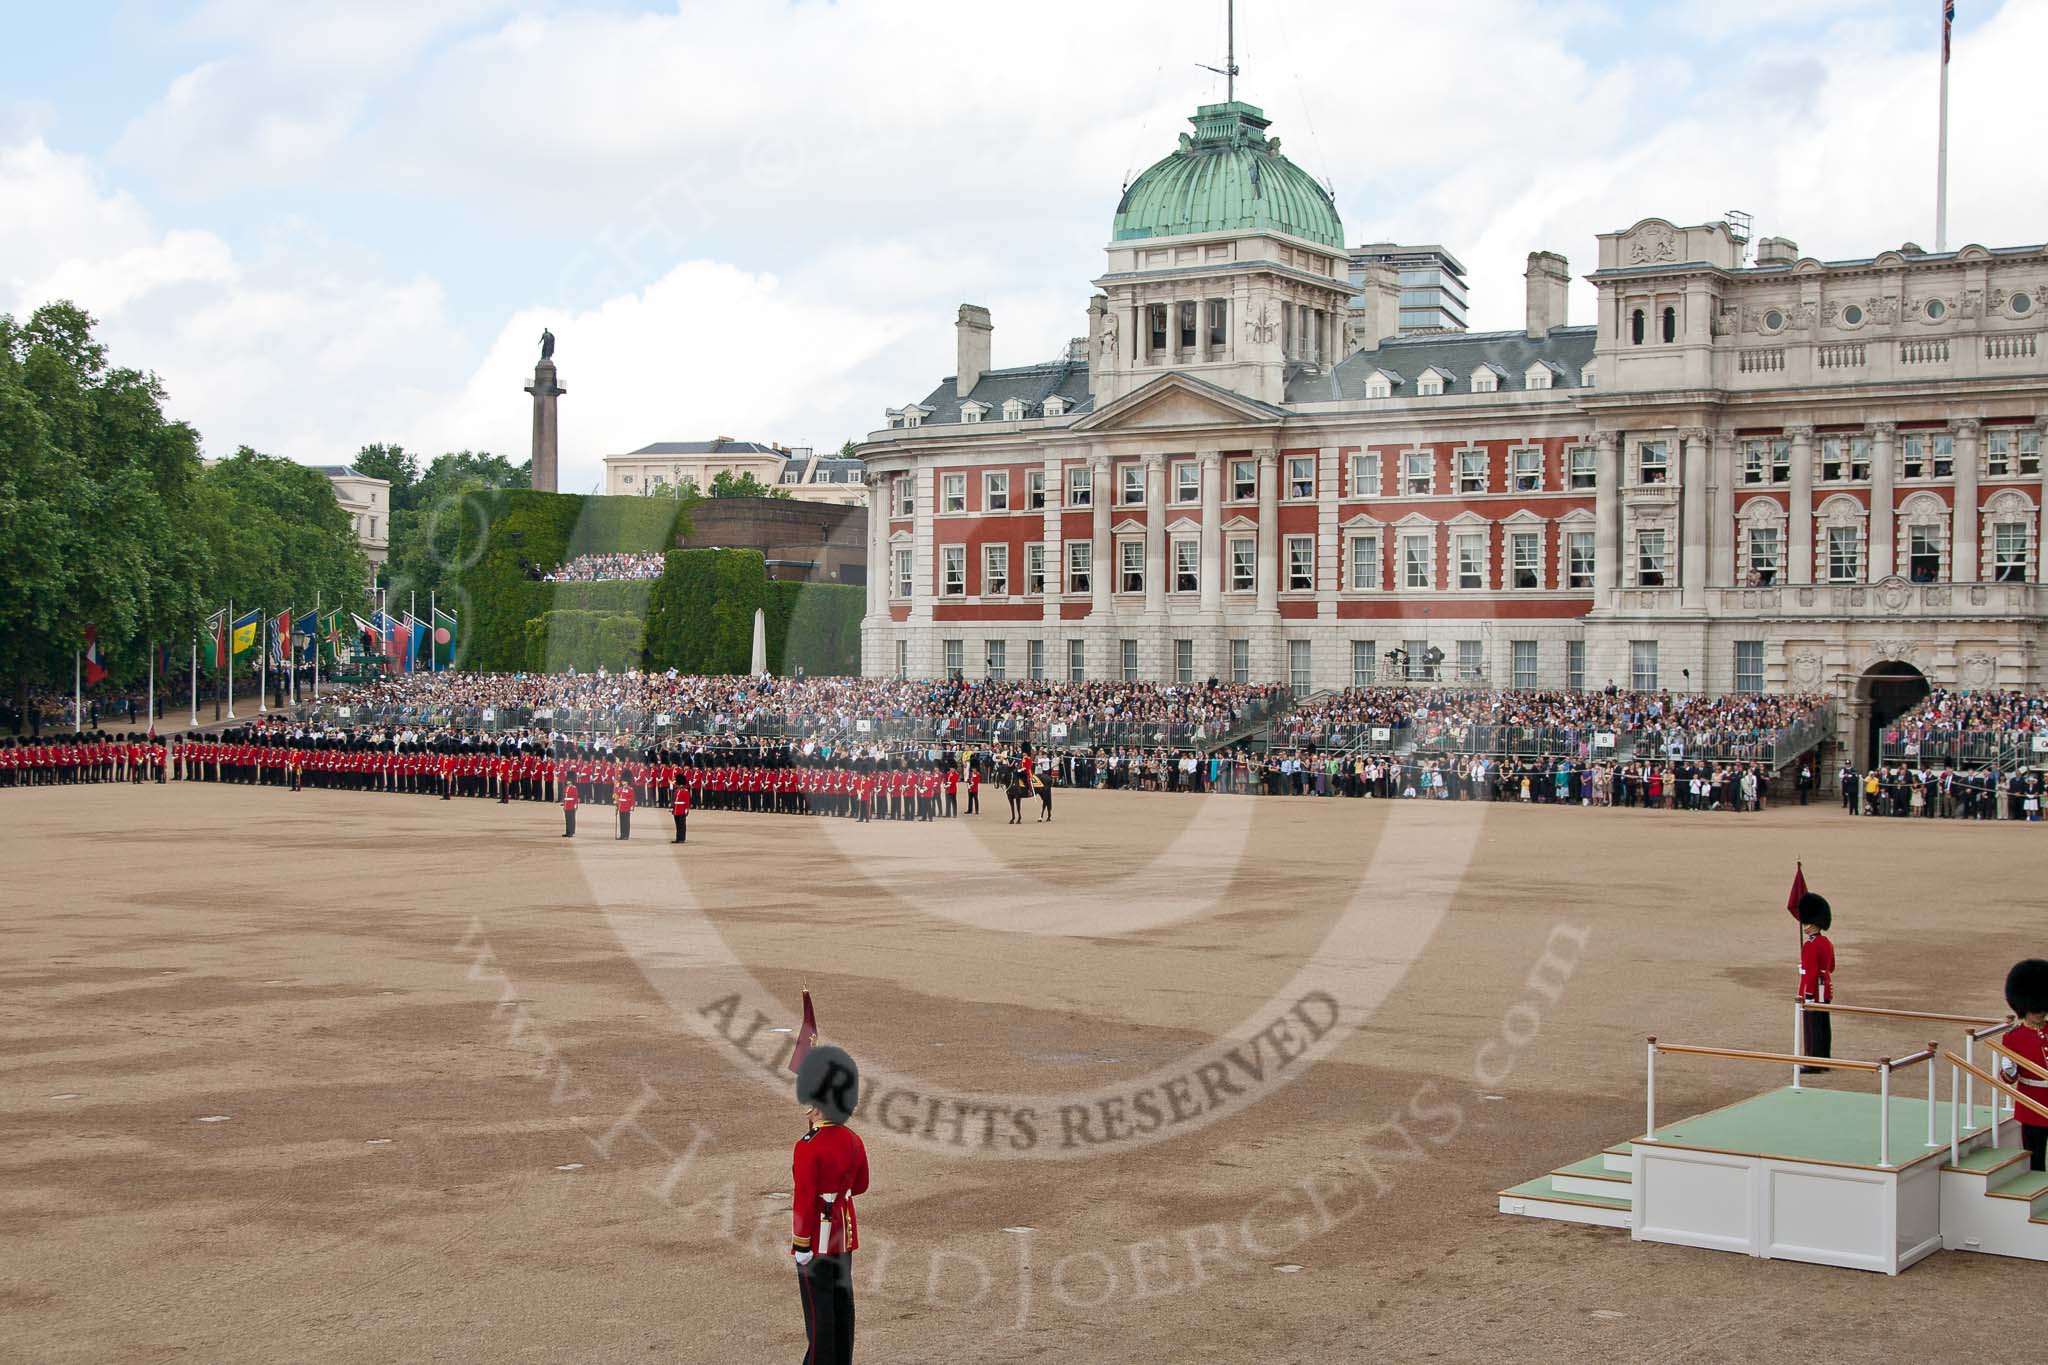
x,y
699,615
585,641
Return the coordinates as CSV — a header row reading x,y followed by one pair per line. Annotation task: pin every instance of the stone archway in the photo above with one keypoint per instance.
x,y
1887,690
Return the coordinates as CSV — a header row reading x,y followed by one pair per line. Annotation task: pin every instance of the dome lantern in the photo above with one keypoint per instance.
x,y
1227,177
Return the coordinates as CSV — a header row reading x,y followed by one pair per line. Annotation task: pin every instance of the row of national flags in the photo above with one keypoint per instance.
x,y
251,639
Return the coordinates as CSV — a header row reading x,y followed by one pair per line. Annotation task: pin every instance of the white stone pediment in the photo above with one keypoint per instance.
x,y
1177,401
1129,526
1240,523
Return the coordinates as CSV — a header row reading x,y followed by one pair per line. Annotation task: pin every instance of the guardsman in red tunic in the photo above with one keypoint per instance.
x,y
830,1167
624,807
952,790
681,809
568,810
1816,974
2026,990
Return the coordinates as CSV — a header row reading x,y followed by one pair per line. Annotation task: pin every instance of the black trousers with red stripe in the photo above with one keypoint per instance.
x,y
827,1288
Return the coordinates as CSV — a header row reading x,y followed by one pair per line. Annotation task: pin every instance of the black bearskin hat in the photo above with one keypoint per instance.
x,y
829,1082
2026,987
1815,910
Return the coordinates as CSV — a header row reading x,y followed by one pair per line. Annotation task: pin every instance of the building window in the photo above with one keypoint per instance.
x,y
1080,565
1471,471
954,652
1430,385
1301,476
1834,462
1077,661
1034,490
1365,563
1766,553
906,495
1923,554
1650,560
953,570
995,570
1130,565
1942,448
1859,457
1301,563
970,413
1653,461
1670,327
1579,461
953,493
1034,569
1416,569
1365,662
1538,376
1485,381
1080,486
904,562
2009,541
1240,661
1244,563
995,491
1471,551
1528,470
1471,661
2030,452
1127,651
1130,484
1054,406
1642,665
1156,317
1298,673
995,659
1913,455
1365,475
1753,462
1244,480
1845,555
1219,323
1635,327
1187,482
1184,661
903,658
1418,473
1578,559
1034,659
1187,562
1575,665
1749,666
1526,558
1377,385
1188,325
1522,657
1997,454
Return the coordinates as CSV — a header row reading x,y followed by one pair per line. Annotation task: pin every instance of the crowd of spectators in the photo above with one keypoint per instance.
x,y
1946,713
607,568
949,709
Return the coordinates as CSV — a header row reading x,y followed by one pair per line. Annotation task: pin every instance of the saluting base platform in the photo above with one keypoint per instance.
x,y
1798,1175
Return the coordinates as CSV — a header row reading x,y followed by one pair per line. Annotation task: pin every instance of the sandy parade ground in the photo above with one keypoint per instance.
x,y
345,1077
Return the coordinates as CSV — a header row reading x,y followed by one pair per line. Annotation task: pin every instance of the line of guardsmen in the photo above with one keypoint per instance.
x,y
61,760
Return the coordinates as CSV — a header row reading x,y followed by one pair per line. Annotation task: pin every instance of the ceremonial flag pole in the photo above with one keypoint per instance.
x,y
806,1034
229,626
77,692
433,633
1948,23
152,682
195,681
316,644
263,665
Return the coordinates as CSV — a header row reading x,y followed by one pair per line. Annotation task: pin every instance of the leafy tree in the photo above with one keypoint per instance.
x,y
730,485
850,450
426,520
281,539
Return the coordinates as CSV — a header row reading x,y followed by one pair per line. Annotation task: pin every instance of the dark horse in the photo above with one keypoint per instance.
x,y
1014,789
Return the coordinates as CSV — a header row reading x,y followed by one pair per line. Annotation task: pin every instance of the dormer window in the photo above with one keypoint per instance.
x,y
1013,409
909,415
1431,384
1586,376
1485,379
1538,376
972,411
1055,407
1380,384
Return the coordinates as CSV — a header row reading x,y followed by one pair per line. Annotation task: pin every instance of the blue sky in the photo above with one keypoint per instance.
x,y
331,223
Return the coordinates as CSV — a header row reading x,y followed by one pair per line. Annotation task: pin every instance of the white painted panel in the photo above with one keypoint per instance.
x,y
1829,1215
1694,1199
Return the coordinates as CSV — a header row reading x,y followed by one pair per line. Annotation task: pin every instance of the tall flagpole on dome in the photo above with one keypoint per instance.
x,y
1228,71
1948,23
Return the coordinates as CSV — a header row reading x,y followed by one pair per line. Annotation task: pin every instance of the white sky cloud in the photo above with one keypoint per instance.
x,y
347,222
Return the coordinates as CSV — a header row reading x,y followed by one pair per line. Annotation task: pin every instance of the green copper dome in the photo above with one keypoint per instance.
x,y
1228,177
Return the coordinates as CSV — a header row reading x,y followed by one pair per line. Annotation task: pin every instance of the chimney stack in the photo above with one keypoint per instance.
x,y
1777,251
1376,316
971,338
1549,292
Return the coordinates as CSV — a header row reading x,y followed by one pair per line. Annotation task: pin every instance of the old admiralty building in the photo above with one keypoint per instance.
x,y
1754,469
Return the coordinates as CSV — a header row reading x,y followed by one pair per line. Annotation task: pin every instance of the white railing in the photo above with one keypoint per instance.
x,y
1760,362
1923,352
1961,1076
1845,356
2010,346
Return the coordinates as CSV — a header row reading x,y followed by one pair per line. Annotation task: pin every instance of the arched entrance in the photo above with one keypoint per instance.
x,y
1887,691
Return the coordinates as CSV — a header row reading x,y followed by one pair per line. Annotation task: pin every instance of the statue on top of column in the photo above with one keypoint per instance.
x,y
547,344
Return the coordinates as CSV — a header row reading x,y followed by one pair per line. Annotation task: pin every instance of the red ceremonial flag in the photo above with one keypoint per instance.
x,y
220,640
1798,889
94,670
806,1034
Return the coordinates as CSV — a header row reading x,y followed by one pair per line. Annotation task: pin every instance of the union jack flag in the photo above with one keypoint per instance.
x,y
1948,23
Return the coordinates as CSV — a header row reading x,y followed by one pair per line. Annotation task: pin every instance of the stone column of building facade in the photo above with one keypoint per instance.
x,y
1155,533
2040,503
1101,573
1606,519
1212,533
1692,567
1269,534
1054,540
878,540
1721,549
1883,518
924,588
1965,537
1801,520
1328,560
